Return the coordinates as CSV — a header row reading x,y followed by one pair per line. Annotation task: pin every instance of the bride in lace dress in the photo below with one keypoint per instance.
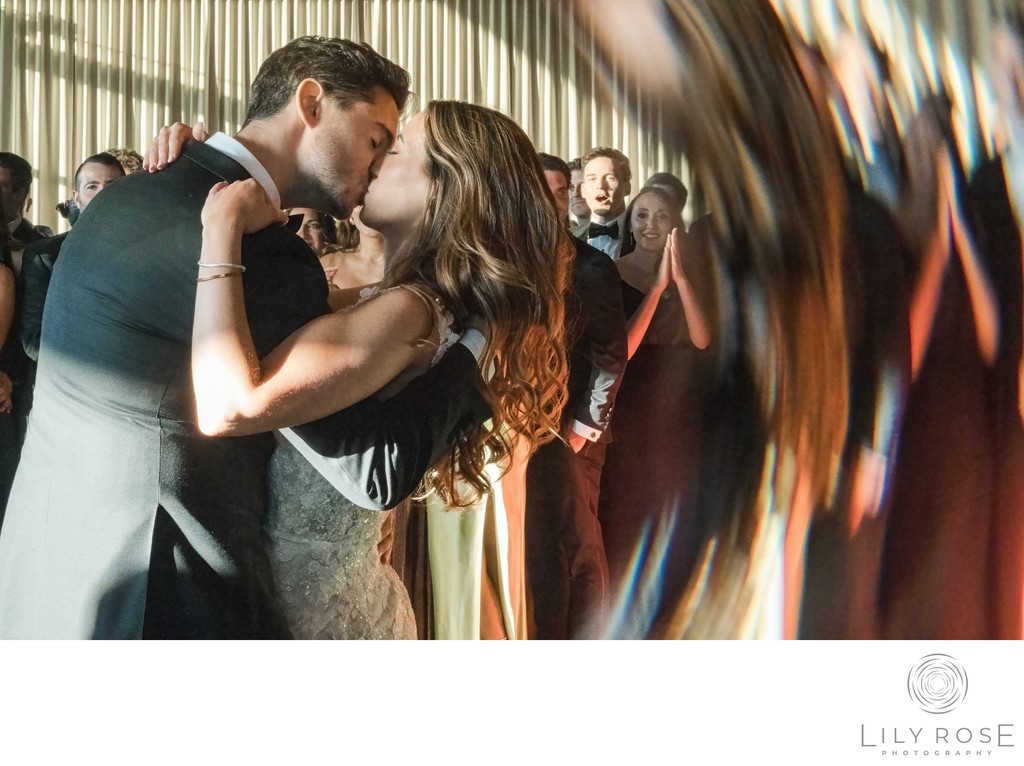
x,y
324,548
471,231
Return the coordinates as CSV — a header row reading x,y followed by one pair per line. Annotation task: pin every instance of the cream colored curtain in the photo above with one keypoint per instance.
x,y
82,76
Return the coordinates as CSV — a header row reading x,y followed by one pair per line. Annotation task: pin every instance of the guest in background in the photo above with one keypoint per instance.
x,y
565,558
16,184
606,184
93,175
673,185
650,478
318,230
579,211
16,176
130,159
351,271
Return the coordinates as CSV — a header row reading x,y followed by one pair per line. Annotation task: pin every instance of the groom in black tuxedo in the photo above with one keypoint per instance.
x,y
125,521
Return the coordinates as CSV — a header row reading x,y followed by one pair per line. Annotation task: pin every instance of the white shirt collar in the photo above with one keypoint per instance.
x,y
619,219
12,225
234,149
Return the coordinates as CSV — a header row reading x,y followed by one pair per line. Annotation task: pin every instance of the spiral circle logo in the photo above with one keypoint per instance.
x,y
937,683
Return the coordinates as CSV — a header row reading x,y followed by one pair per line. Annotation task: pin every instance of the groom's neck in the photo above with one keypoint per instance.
x,y
272,144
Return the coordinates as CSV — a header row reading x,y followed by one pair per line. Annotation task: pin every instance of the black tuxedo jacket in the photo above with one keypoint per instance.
x,y
26,232
33,284
124,520
598,351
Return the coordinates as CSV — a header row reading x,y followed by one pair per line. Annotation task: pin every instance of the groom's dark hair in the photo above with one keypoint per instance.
x,y
347,70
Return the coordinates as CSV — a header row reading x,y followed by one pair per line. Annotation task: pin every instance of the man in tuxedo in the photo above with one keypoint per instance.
x,y
125,521
606,184
16,183
565,552
579,211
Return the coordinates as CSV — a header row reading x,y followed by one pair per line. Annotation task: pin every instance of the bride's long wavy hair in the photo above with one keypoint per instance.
x,y
492,246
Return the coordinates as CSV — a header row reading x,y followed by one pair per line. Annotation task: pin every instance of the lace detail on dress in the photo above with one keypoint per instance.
x,y
323,548
446,335
323,552
443,318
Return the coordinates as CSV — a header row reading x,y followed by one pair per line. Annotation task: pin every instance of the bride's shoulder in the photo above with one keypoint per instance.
x,y
407,309
442,318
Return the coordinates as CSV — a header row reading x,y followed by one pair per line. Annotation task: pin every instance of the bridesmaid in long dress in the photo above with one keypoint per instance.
x,y
937,579
649,481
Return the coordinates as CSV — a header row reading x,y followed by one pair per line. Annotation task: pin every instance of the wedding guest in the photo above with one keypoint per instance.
x,y
91,177
652,470
579,211
318,230
566,563
131,160
353,270
945,477
16,184
671,184
606,184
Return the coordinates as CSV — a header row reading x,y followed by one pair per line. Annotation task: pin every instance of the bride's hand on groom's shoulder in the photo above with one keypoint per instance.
x,y
241,205
169,142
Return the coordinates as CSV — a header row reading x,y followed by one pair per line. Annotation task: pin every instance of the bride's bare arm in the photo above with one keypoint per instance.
x,y
325,366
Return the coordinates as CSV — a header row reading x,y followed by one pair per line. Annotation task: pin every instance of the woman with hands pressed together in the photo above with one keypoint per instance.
x,y
652,463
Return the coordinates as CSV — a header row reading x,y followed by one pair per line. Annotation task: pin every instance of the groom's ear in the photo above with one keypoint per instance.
x,y
309,101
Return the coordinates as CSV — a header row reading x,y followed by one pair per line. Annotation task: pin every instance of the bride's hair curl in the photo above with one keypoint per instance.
x,y
492,246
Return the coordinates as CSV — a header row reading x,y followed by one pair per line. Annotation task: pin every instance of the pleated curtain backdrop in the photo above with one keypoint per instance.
x,y
82,76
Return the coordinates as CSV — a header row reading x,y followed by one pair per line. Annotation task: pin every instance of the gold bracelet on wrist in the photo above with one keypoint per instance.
x,y
236,266
219,276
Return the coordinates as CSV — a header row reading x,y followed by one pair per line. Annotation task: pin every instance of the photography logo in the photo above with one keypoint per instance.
x,y
937,683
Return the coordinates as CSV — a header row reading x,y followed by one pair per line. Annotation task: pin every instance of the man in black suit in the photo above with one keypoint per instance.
x,y
566,563
16,184
124,520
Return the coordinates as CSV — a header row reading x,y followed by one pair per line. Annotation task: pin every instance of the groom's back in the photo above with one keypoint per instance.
x,y
137,523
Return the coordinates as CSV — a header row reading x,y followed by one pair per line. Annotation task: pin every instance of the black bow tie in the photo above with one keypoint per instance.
x,y
597,230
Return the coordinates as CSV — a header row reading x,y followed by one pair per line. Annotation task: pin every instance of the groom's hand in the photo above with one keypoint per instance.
x,y
167,145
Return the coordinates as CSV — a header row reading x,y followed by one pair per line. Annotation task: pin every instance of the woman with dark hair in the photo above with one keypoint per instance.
x,y
318,230
357,266
470,232
654,454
